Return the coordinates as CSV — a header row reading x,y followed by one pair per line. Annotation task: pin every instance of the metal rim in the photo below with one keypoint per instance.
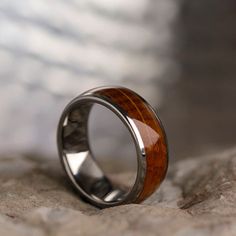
x,y
141,156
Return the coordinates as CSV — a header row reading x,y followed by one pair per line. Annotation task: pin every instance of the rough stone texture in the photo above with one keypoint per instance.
x,y
197,198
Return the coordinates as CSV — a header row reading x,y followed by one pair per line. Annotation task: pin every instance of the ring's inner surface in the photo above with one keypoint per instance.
x,y
83,166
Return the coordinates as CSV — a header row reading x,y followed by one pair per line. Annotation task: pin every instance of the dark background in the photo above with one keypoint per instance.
x,y
200,109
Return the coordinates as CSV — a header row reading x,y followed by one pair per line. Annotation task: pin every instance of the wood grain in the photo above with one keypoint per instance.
x,y
151,131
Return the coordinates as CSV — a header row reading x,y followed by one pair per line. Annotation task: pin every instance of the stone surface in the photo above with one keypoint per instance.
x,y
197,198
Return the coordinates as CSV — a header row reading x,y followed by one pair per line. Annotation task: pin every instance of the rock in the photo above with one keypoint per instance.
x,y
197,198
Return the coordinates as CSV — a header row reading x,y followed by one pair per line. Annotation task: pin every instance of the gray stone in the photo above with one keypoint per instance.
x,y
197,198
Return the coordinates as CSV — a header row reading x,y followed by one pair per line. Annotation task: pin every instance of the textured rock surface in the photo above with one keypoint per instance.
x,y
198,198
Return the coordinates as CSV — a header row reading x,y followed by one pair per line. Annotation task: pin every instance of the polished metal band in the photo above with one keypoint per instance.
x,y
79,163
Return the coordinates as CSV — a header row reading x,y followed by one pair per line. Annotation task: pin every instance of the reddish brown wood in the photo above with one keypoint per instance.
x,y
151,132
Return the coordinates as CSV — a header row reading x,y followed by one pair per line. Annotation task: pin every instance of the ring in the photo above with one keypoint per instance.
x,y
80,165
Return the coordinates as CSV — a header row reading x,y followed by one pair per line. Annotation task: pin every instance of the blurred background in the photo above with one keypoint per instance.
x,y
180,55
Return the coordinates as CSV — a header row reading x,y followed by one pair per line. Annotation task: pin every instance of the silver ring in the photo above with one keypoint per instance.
x,y
147,132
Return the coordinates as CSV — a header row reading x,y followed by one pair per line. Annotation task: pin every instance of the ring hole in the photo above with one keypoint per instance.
x,y
112,146
99,152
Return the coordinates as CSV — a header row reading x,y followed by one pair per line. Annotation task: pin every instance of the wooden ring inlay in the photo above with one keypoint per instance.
x,y
152,133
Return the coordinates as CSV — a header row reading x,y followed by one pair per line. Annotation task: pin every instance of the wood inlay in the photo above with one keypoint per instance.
x,y
151,131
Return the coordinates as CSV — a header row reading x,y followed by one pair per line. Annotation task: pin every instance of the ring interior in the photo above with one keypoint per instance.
x,y
86,172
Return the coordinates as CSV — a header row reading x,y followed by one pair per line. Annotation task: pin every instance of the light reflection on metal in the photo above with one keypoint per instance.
x,y
76,160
